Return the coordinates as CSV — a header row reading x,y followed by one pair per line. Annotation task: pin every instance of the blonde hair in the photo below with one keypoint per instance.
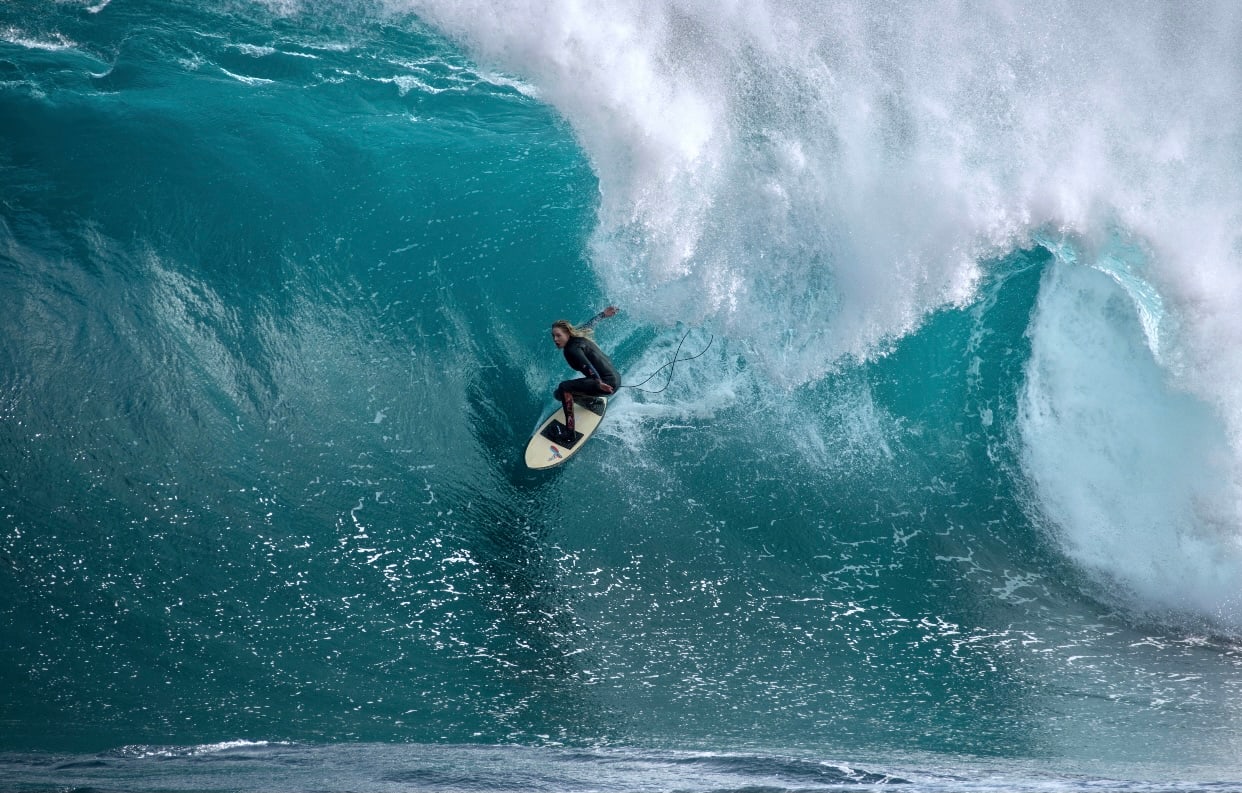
x,y
568,327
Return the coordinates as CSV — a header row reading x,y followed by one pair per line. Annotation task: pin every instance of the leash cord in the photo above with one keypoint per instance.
x,y
671,366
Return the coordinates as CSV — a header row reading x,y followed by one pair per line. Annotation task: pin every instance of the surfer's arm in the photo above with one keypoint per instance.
x,y
608,312
590,371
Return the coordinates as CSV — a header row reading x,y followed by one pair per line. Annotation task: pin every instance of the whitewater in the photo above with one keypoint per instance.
x,y
952,499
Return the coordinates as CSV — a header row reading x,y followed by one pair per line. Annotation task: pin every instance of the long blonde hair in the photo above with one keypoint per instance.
x,y
579,333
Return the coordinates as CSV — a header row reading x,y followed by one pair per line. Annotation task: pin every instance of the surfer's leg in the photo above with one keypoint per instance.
x,y
567,402
583,386
565,393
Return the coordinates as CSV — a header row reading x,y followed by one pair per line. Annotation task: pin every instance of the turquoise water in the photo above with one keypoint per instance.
x,y
949,501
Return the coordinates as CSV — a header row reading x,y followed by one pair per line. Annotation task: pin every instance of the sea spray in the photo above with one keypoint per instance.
x,y
843,169
816,179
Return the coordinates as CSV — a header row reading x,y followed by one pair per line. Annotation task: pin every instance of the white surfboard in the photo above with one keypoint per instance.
x,y
543,452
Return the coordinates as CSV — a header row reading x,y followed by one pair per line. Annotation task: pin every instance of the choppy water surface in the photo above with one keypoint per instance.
x,y
950,500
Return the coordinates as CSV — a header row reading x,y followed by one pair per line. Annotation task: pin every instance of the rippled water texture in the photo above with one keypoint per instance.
x,y
948,499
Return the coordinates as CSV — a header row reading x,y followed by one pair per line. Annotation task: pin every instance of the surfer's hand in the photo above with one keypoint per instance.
x,y
608,312
607,389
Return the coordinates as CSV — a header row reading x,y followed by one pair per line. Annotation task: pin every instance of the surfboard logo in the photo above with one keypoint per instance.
x,y
556,454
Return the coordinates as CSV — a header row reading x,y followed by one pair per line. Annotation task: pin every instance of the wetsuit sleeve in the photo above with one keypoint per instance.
x,y
577,359
591,322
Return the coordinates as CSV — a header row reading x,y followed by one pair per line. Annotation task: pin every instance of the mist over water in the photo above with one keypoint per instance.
x,y
947,474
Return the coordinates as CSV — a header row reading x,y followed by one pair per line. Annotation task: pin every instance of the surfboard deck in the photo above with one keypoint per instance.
x,y
544,452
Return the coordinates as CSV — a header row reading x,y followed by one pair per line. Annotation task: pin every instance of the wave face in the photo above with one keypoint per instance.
x,y
817,179
956,472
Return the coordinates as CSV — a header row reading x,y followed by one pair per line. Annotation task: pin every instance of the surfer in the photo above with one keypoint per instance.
x,y
583,355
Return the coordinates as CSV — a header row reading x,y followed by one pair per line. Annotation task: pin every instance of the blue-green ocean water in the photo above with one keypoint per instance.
x,y
949,502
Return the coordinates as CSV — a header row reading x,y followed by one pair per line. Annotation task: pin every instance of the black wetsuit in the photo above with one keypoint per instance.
x,y
585,356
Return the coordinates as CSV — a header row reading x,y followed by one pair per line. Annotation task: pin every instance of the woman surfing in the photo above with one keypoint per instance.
x,y
583,355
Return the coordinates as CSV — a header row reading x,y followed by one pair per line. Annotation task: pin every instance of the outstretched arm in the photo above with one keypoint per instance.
x,y
608,312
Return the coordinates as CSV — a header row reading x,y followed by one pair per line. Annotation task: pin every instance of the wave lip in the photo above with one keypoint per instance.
x,y
841,170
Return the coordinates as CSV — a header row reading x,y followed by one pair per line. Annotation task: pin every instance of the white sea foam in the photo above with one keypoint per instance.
x,y
840,170
196,750
248,80
52,42
708,380
255,50
814,178
1136,475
